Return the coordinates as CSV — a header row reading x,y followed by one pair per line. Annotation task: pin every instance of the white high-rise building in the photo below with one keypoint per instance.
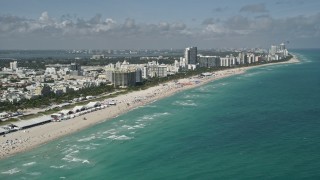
x,y
13,65
190,55
282,47
273,50
208,61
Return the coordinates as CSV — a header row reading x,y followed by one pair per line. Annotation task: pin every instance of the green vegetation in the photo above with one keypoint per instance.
x,y
40,63
51,98
9,121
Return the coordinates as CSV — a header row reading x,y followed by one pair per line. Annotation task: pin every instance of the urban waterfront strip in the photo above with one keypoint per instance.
x,y
27,139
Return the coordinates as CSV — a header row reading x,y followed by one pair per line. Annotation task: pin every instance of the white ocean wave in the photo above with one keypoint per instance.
x,y
29,164
185,103
70,158
75,152
139,126
87,139
34,173
203,88
252,74
127,127
148,117
95,144
11,171
88,147
191,96
67,150
112,137
58,167
110,131
121,137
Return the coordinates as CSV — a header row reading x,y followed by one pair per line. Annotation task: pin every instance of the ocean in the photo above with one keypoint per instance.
x,y
261,124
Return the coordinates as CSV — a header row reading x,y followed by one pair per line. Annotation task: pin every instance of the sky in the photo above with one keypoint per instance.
x,y
158,24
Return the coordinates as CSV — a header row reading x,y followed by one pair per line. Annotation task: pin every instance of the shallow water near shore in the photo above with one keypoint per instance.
x,y
261,124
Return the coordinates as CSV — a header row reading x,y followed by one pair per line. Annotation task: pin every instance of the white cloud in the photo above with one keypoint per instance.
x,y
254,8
235,28
44,17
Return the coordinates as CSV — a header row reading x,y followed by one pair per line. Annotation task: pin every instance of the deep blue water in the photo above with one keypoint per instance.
x,y
261,124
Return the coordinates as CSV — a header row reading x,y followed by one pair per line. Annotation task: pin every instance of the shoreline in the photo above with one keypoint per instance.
x,y
28,139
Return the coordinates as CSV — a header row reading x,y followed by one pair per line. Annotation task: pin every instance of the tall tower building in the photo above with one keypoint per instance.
x,y
273,50
190,55
282,47
75,69
13,65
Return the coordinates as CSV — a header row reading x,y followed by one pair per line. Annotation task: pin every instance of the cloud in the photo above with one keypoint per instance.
x,y
70,29
220,9
44,17
254,8
129,23
290,2
69,25
216,29
208,21
263,29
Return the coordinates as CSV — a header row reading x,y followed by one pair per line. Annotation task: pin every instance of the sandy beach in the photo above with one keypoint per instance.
x,y
28,139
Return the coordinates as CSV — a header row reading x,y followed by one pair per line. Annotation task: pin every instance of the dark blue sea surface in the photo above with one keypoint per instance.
x,y
261,124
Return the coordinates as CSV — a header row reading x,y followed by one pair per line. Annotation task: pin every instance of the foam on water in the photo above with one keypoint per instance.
x,y
95,144
72,151
185,103
87,139
58,167
151,117
120,137
127,127
139,126
89,148
251,74
110,131
34,173
29,164
223,84
70,158
203,89
11,171
191,96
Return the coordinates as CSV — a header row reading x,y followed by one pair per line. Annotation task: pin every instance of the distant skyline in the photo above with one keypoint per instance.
x,y
147,24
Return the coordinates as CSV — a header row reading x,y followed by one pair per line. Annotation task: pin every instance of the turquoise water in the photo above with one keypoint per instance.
x,y
261,124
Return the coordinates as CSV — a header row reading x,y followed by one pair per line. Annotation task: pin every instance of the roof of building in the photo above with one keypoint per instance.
x,y
3,113
31,122
65,111
2,130
92,104
78,108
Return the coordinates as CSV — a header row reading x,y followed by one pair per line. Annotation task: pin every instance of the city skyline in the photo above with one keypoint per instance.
x,y
158,25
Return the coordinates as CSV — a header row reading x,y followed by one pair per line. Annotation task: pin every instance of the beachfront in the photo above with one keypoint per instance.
x,y
29,138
